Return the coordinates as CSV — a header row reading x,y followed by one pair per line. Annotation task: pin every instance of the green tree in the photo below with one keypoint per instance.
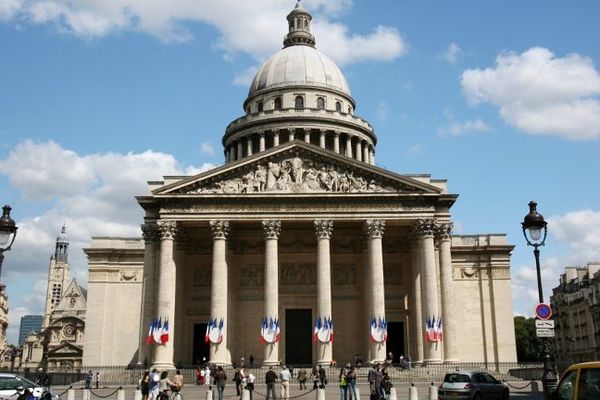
x,y
529,347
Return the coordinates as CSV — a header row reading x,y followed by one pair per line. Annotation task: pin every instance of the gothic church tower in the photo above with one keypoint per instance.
x,y
58,275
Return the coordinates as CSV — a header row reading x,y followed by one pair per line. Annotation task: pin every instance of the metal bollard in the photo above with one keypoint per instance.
x,y
71,394
120,394
320,394
357,393
85,394
412,392
535,386
393,395
137,395
245,394
209,394
433,392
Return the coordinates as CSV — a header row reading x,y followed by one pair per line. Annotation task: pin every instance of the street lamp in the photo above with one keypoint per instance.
x,y
535,230
8,233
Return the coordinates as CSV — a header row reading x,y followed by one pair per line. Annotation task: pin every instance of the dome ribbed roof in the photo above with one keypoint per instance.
x,y
299,65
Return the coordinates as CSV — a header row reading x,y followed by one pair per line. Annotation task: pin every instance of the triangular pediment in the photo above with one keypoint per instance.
x,y
65,349
296,167
72,301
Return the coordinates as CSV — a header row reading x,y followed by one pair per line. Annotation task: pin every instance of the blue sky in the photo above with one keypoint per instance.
x,y
96,97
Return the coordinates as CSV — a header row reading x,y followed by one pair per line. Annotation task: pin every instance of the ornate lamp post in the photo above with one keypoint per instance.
x,y
535,230
8,233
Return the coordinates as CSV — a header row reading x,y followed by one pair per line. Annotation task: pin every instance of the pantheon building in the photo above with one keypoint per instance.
x,y
299,248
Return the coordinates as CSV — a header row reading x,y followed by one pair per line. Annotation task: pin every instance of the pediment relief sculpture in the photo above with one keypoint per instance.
x,y
297,175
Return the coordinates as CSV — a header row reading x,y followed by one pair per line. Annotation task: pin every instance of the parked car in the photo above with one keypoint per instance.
x,y
472,385
579,381
12,385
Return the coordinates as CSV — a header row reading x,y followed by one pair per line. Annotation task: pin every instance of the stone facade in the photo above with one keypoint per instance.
x,y
576,305
299,227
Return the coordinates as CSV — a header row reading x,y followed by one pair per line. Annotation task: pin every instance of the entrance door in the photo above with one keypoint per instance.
x,y
298,337
200,349
395,339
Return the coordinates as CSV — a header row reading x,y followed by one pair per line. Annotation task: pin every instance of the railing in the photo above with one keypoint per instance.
x,y
124,376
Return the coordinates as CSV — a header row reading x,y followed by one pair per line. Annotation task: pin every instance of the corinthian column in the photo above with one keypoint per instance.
x,y
165,305
150,235
416,306
218,289
429,298
324,229
444,234
374,229
271,230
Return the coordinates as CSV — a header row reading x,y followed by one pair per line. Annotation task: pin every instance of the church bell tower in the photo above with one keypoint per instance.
x,y
58,275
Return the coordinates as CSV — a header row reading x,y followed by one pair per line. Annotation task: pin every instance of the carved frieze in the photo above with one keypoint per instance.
x,y
476,273
292,274
293,173
251,276
128,276
344,274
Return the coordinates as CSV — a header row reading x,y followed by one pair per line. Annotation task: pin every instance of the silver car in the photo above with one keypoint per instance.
x,y
472,385
12,385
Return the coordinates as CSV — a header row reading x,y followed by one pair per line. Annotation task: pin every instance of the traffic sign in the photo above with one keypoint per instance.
x,y
549,324
543,332
543,311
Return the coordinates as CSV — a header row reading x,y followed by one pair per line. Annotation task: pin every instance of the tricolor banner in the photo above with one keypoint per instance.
x,y
158,332
214,331
323,331
269,330
378,329
434,329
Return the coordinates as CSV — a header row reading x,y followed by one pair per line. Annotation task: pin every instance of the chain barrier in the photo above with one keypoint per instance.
x,y
292,397
519,388
105,396
65,391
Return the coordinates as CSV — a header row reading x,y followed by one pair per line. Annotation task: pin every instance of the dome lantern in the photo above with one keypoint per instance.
x,y
299,28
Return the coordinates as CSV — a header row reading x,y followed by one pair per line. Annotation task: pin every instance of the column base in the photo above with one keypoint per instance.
x,y
163,366
451,361
432,362
271,363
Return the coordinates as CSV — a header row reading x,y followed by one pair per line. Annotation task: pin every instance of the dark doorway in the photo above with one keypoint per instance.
x,y
200,349
298,337
395,340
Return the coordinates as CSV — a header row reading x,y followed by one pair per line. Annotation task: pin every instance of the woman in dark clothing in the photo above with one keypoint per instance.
x,y
145,385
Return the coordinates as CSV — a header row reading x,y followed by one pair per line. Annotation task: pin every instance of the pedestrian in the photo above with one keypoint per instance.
x,y
177,381
154,381
302,379
42,378
270,379
220,379
242,362
250,379
379,389
145,385
199,376
371,378
351,379
97,379
88,379
343,384
207,375
251,359
164,385
285,376
315,377
237,378
322,377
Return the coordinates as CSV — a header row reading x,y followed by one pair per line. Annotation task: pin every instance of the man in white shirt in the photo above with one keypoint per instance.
x,y
285,376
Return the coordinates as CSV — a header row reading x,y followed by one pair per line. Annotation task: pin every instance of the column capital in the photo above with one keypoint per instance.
x,y
271,228
374,228
337,133
324,228
219,229
167,230
425,227
443,230
262,133
275,132
149,232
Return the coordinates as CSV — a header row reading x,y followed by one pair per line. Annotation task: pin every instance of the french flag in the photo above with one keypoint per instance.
x,y
317,328
208,328
429,330
156,334
164,334
150,337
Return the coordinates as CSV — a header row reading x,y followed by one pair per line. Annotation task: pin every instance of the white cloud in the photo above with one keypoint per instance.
x,y
245,77
252,27
540,93
452,53
414,150
207,148
462,128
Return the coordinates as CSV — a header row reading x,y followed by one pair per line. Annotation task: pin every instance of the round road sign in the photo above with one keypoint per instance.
x,y
543,311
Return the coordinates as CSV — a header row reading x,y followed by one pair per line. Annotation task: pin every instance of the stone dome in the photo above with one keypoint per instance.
x,y
299,65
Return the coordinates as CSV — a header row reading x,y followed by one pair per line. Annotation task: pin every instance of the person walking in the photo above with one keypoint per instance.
x,y
270,379
285,375
199,373
379,389
164,385
250,379
237,378
145,385
177,382
322,377
88,379
97,379
251,359
220,378
351,379
343,384
154,380
315,377
371,378
302,378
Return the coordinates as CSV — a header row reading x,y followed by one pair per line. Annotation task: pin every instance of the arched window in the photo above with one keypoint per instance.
x,y
299,103
248,110
260,106
338,106
349,110
320,103
277,103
